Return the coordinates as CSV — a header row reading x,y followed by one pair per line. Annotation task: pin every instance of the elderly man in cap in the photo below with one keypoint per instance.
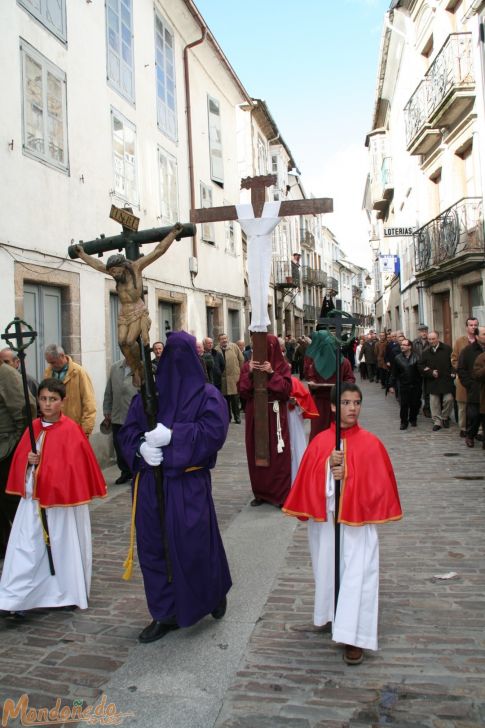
x,y
8,356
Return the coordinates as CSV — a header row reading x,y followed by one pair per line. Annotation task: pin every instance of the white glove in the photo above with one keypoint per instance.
x,y
159,437
151,455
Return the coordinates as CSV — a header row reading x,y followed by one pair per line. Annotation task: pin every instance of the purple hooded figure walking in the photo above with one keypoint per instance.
x,y
192,426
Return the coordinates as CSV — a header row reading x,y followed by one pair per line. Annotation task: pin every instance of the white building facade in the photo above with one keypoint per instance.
x,y
426,166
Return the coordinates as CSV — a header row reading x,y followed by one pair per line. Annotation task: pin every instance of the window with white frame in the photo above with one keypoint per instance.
x,y
51,13
275,171
124,157
215,140
119,39
208,232
262,156
165,78
167,167
230,237
44,109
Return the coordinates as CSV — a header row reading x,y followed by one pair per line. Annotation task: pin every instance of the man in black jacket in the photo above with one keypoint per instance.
x,y
472,386
435,366
215,363
405,372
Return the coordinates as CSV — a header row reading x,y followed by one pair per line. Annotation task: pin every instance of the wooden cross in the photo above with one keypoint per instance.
x,y
258,186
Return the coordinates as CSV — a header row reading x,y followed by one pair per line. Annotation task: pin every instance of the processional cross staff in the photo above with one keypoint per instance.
x,y
133,321
337,320
19,340
258,220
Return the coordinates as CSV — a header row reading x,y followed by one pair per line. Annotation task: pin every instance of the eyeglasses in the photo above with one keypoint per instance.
x,y
348,402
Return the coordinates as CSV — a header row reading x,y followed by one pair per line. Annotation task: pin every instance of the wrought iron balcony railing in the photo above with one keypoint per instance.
x,y
356,291
332,284
307,275
451,72
320,278
455,233
286,274
310,312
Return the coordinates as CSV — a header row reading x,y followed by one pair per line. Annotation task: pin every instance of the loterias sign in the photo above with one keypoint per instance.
x,y
398,232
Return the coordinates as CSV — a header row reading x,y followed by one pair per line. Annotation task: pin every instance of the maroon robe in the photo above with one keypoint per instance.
x,y
271,484
322,394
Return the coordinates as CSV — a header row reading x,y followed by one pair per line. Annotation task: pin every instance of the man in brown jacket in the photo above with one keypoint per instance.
x,y
80,402
230,376
460,343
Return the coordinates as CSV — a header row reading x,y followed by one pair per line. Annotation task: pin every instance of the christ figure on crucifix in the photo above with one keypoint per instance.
x,y
133,319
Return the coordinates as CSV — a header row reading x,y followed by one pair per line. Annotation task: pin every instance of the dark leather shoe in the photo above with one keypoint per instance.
x,y
256,502
124,478
353,655
426,412
446,424
220,610
403,426
435,427
470,442
238,421
413,423
479,437
156,630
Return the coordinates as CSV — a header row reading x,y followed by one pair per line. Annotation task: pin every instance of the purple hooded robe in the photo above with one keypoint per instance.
x,y
197,414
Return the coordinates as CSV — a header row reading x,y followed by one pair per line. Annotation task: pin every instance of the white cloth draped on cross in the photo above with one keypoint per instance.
x,y
258,231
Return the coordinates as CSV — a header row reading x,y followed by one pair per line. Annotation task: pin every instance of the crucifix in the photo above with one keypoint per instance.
x,y
133,320
337,320
258,220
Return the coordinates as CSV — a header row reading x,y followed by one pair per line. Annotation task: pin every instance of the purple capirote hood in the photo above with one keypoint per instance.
x,y
180,380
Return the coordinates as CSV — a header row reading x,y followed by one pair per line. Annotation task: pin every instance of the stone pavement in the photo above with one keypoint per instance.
x,y
265,665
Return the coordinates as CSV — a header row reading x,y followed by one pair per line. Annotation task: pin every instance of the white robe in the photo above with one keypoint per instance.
x,y
26,581
298,438
258,231
355,621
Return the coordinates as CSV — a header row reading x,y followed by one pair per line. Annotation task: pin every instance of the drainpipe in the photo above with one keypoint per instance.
x,y
189,131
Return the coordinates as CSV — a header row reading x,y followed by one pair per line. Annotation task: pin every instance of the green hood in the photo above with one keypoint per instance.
x,y
323,352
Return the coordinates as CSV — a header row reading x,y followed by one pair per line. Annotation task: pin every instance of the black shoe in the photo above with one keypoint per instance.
x,y
124,478
404,426
446,424
479,438
256,502
436,428
238,421
220,610
413,423
462,433
426,412
156,630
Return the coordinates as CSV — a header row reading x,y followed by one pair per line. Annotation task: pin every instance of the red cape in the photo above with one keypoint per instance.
x,y
303,398
368,491
68,473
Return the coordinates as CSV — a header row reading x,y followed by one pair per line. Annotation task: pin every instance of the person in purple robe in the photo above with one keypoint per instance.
x,y
192,426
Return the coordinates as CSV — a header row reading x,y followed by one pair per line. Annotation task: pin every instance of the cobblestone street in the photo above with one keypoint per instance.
x,y
265,665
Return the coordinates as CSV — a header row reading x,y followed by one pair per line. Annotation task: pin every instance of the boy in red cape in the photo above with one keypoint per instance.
x,y
368,496
62,476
